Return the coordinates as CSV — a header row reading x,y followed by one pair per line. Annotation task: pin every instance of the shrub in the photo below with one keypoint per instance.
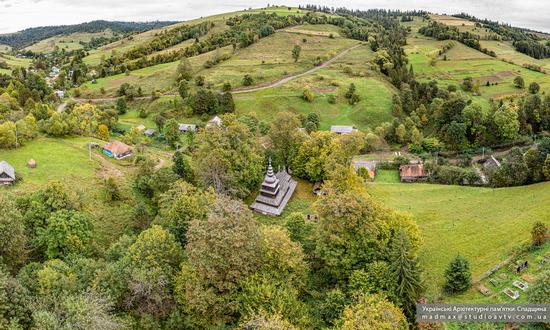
x,y
331,99
247,80
538,233
307,95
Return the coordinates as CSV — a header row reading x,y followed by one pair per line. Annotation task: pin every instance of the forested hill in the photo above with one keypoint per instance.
x,y
29,36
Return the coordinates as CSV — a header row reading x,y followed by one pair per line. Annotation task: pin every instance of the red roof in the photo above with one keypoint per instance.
x,y
413,170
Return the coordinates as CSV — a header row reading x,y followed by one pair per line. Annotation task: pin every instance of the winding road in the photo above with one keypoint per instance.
x,y
273,84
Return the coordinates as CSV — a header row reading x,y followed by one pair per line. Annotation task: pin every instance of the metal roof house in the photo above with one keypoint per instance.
x,y
342,129
412,173
214,122
7,173
275,192
187,128
149,132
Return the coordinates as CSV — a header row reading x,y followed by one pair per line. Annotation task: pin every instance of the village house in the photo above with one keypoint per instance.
x,y
7,173
412,173
214,122
184,128
140,127
275,192
342,129
117,150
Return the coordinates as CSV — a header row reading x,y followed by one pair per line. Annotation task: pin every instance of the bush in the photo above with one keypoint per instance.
x,y
307,95
247,80
331,99
538,233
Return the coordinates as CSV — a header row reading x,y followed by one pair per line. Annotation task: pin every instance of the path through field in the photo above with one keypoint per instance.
x,y
295,76
273,84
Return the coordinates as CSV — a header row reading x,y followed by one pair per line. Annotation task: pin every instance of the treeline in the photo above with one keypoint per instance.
x,y
430,118
442,31
524,40
30,36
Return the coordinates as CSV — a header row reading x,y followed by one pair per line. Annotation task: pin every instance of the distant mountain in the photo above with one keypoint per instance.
x,y
29,36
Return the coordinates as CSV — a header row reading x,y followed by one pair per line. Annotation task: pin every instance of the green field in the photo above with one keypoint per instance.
x,y
465,62
57,159
68,42
266,65
482,224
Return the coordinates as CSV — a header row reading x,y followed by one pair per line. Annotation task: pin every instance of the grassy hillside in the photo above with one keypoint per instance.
x,y
13,62
465,62
482,224
128,43
67,42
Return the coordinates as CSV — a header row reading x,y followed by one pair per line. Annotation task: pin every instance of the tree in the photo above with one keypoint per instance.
x,y
151,262
67,232
185,70
182,167
14,303
519,82
103,132
172,131
222,251
351,226
457,275
373,312
13,239
183,89
534,88
264,321
546,168
506,121
468,84
538,233
285,136
296,52
121,105
228,159
180,205
78,312
405,271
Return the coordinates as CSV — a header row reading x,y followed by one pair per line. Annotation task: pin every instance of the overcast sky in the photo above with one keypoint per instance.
x,y
16,15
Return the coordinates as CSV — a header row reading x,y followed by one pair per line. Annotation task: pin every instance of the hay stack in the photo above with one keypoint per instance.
x,y
31,163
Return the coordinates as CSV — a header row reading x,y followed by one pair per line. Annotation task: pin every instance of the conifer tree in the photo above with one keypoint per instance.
x,y
458,276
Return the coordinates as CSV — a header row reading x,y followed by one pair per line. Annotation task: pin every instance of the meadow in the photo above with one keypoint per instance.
x,y
68,42
482,224
462,62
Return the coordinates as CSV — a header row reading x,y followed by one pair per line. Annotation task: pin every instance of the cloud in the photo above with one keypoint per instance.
x,y
21,14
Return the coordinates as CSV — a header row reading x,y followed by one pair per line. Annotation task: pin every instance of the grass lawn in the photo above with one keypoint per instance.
x,y
504,278
387,176
301,201
482,224
58,159
375,92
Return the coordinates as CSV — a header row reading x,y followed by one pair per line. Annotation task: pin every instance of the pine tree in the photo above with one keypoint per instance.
x,y
458,277
405,271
